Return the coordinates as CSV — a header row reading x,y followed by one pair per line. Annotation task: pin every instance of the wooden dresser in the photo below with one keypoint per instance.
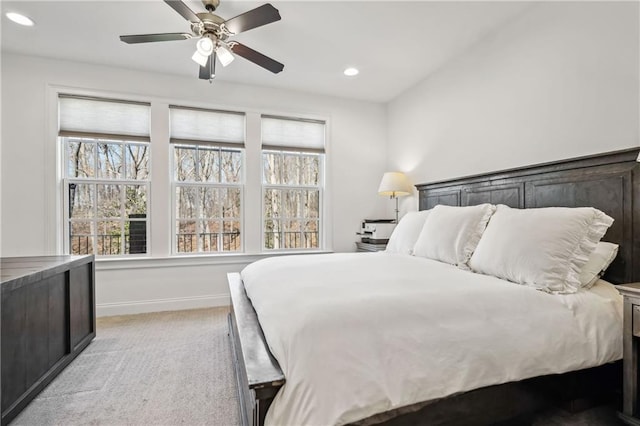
x,y
47,318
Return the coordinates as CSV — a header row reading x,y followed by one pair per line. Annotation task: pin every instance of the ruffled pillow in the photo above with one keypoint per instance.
x,y
545,248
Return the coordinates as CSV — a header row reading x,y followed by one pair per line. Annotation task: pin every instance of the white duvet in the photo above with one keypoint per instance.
x,y
361,333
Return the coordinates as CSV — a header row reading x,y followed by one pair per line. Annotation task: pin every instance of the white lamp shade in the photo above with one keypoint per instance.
x,y
394,184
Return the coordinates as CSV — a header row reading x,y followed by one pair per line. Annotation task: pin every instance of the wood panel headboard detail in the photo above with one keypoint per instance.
x,y
609,182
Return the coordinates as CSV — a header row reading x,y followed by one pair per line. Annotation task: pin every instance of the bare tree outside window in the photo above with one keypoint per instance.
x,y
292,197
107,178
107,186
208,198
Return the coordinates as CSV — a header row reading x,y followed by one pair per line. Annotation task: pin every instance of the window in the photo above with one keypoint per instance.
x,y
219,188
292,177
106,175
208,178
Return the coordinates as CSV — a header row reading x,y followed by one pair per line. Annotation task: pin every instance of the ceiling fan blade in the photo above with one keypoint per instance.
x,y
209,69
256,57
254,18
148,38
183,10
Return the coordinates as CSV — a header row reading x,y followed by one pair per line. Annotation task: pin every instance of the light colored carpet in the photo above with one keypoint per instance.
x,y
169,368
172,368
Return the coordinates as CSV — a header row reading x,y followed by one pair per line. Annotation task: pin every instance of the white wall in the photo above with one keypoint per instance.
x,y
357,159
559,81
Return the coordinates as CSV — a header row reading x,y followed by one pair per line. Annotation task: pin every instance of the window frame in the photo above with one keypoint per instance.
x,y
160,211
174,184
320,188
63,143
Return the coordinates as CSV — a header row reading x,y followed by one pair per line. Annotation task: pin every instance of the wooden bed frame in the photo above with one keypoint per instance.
x,y
609,182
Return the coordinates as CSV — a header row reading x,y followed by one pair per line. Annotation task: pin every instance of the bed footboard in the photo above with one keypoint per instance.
x,y
258,375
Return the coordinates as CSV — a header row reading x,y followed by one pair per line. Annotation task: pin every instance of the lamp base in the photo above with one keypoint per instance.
x,y
397,209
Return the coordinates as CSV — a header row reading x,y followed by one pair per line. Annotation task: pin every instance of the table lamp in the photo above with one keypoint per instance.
x,y
394,184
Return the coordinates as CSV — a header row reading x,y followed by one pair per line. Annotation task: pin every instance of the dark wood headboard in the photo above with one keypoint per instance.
x,y
609,182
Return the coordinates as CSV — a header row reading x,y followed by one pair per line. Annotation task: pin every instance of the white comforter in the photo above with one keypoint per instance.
x,y
361,333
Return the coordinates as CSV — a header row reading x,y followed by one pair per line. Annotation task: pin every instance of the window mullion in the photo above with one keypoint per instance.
x,y
95,230
198,218
219,160
123,212
220,220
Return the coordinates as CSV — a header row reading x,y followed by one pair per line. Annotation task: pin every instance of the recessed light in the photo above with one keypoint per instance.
x,y
350,72
20,19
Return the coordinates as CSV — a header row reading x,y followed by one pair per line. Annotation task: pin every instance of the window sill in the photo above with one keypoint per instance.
x,y
138,262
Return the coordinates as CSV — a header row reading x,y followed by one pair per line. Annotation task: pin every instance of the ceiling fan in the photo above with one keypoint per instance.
x,y
213,35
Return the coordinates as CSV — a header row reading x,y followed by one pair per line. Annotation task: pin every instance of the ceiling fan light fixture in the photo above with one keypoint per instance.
x,y
20,19
200,59
205,46
224,54
204,49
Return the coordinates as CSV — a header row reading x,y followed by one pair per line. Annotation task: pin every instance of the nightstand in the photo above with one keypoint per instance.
x,y
631,339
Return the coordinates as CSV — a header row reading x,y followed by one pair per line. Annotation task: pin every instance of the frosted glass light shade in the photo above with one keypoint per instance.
x,y
200,59
394,184
205,46
204,49
224,54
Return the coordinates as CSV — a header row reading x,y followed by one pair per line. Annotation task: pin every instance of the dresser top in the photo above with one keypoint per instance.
x,y
14,268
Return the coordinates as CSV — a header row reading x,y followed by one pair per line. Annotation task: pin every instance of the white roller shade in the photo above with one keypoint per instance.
x,y
201,125
298,134
96,117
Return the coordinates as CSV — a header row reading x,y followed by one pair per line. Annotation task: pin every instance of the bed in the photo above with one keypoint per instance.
x,y
607,182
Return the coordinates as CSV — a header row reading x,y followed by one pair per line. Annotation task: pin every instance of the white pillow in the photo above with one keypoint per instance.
x,y
545,248
598,262
451,234
404,236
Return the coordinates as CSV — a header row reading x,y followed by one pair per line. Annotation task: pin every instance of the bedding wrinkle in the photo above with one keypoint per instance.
x,y
357,334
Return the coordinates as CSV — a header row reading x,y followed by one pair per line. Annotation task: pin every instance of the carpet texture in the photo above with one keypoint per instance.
x,y
169,368
172,368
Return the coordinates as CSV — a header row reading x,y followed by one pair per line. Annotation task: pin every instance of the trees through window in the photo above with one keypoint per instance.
x,y
292,188
208,178
108,185
208,198
292,177
106,147
106,175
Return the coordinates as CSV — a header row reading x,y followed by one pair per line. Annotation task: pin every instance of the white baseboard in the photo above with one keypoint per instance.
x,y
159,305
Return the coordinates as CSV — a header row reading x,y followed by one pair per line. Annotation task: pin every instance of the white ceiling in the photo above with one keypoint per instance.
x,y
395,44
